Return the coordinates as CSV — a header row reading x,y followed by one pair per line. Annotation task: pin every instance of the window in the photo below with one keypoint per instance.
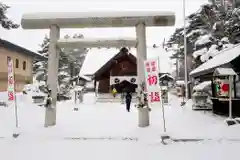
x,y
16,63
24,65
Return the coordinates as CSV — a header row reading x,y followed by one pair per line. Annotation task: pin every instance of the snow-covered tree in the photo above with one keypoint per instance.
x,y
209,30
68,63
6,23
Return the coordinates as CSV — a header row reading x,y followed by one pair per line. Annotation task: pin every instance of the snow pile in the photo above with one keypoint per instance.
x,y
33,89
92,128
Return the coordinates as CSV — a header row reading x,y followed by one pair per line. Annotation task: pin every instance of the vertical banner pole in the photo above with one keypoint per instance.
x,y
11,90
15,105
161,103
230,96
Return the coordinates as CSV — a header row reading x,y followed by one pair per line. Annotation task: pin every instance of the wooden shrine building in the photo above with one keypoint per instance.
x,y
120,72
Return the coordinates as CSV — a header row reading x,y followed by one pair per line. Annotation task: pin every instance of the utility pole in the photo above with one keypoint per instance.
x,y
185,51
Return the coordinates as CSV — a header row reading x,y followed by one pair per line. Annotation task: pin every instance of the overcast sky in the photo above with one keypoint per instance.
x,y
31,39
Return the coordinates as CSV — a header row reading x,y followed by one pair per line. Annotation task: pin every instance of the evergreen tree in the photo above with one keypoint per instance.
x,y
6,23
210,29
67,63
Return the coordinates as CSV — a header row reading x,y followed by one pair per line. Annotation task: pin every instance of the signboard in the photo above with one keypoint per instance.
x,y
221,87
152,80
11,83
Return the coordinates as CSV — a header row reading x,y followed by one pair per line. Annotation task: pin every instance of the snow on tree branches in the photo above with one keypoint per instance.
x,y
209,30
6,23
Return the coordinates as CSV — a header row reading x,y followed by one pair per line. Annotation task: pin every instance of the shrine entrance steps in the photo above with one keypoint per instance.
x,y
107,97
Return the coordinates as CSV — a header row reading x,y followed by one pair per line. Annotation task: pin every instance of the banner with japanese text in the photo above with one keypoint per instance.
x,y
151,67
11,88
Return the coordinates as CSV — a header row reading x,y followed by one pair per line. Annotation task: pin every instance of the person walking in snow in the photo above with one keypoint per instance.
x,y
80,96
128,99
114,92
49,99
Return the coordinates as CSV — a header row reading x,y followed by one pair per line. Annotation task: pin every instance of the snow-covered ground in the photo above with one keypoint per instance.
x,y
106,131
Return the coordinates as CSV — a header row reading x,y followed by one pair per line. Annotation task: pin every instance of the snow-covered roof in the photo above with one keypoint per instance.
x,y
166,75
202,85
96,58
225,72
223,57
19,49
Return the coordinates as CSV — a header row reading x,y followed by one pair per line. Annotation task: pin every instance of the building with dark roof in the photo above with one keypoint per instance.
x,y
23,60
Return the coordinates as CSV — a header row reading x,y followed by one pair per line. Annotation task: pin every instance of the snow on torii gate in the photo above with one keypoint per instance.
x,y
55,21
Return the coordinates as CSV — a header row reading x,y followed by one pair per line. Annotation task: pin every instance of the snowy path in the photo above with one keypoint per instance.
x,y
109,124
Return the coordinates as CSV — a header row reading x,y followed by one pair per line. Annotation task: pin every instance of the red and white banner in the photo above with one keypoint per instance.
x,y
11,83
152,80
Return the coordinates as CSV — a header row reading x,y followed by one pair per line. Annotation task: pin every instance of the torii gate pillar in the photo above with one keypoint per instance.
x,y
52,80
143,118
141,52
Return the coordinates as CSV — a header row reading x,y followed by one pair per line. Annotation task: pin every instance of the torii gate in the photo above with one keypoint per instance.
x,y
56,20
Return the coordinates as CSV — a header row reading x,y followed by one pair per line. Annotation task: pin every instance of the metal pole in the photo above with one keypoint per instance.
x,y
15,103
230,96
162,104
163,113
185,50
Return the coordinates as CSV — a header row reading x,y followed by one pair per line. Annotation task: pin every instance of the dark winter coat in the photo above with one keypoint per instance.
x,y
128,97
48,102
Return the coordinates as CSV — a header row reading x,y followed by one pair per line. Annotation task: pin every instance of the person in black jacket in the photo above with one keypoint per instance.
x,y
128,99
49,99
